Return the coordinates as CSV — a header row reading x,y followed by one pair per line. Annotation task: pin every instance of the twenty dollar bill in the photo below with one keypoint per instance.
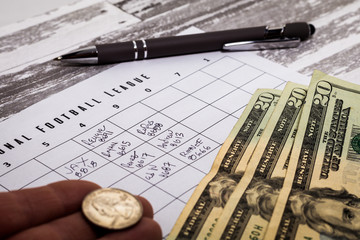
x,y
320,195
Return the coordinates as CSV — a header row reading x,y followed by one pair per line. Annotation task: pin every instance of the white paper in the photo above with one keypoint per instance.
x,y
151,127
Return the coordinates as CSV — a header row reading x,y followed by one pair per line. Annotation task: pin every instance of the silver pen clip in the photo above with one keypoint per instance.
x,y
262,44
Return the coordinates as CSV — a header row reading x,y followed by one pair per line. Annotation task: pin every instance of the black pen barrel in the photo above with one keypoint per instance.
x,y
202,42
176,45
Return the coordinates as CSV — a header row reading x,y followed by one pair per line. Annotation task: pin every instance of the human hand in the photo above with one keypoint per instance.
x,y
54,212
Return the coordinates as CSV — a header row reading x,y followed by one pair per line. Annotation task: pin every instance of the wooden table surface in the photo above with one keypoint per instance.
x,y
334,48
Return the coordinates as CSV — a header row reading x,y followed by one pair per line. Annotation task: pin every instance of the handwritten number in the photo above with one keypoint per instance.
x,y
93,164
178,74
6,164
205,59
116,106
79,175
82,125
46,144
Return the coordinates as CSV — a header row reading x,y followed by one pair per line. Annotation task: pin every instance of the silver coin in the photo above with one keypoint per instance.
x,y
112,208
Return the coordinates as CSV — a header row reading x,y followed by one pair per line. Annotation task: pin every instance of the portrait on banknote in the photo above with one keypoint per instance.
x,y
222,187
333,213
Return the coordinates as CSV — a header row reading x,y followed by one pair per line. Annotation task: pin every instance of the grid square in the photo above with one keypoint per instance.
x,y
118,146
194,149
139,157
152,126
173,137
164,98
213,91
265,81
81,166
157,197
194,82
111,172
222,67
233,101
184,108
183,184
138,112
29,172
160,170
204,118
132,184
242,75
61,153
221,130
98,135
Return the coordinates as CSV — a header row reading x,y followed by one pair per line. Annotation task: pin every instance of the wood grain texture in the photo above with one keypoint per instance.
x,y
334,48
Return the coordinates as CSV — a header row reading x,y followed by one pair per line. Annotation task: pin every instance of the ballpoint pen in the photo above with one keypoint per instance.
x,y
253,38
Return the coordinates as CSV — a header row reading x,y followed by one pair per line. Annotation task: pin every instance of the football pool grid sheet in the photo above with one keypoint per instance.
x,y
164,149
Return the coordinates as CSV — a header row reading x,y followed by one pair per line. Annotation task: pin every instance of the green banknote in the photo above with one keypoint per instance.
x,y
200,214
248,211
320,195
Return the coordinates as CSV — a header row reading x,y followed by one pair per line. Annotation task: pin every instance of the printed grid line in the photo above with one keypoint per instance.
x,y
154,113
148,141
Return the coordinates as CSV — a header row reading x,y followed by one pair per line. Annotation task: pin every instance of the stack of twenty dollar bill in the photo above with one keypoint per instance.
x,y
290,169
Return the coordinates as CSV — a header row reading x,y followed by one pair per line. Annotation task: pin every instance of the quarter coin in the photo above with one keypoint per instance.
x,y
112,208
